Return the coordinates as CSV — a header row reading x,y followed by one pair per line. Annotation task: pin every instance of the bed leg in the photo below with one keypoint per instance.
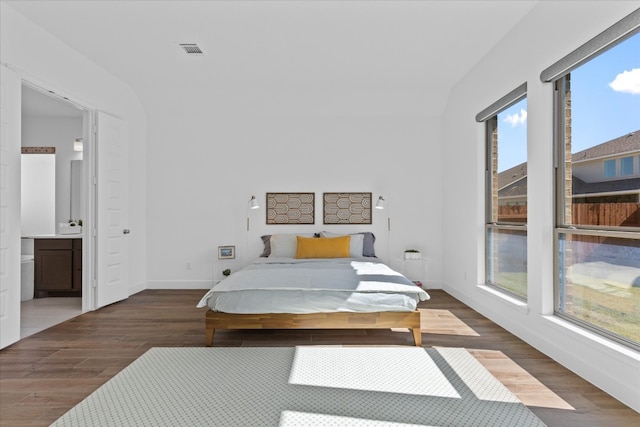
x,y
209,336
417,336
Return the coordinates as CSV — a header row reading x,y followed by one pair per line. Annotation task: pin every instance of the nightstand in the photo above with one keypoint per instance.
x,y
414,269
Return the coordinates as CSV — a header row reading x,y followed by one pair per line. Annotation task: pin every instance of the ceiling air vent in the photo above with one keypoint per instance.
x,y
191,49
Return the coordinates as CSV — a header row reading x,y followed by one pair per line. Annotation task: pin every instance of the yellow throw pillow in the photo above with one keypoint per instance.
x,y
323,247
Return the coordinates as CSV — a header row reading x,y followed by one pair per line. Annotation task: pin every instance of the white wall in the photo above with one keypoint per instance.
x,y
550,31
59,133
45,61
203,168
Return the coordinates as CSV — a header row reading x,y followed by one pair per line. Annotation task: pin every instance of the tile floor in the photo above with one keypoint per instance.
x,y
42,313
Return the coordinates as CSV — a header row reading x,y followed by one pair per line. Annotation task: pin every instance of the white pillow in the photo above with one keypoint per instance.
x,y
285,245
355,245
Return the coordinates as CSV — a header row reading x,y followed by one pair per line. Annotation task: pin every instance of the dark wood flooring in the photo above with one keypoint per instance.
x,y
44,375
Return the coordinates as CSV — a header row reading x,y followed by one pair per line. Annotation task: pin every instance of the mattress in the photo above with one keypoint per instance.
x,y
289,285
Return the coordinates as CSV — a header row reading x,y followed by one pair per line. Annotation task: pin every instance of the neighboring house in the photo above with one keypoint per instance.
x,y
512,186
606,173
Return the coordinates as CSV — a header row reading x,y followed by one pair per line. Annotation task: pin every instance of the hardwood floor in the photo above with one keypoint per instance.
x,y
44,375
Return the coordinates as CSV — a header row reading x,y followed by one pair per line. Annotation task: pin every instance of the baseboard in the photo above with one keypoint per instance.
x,y
431,284
179,284
138,287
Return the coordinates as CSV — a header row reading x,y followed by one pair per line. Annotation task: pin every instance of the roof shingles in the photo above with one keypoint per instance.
x,y
625,144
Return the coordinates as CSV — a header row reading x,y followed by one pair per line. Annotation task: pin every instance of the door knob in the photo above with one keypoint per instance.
x,y
126,231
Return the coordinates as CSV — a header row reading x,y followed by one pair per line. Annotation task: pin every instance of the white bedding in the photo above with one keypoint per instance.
x,y
289,285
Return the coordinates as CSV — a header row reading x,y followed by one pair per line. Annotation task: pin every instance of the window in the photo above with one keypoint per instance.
x,y
626,166
597,220
506,193
610,168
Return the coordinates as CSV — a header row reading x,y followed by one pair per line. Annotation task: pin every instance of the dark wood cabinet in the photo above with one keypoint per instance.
x,y
58,267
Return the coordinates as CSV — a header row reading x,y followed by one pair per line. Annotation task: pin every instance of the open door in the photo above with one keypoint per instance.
x,y
10,122
112,243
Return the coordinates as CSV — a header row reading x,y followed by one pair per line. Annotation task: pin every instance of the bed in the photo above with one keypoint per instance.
x,y
339,286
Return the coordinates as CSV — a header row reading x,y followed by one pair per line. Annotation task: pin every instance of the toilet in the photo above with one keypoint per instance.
x,y
26,277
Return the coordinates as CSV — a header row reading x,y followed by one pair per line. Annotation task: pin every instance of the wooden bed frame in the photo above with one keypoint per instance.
x,y
379,320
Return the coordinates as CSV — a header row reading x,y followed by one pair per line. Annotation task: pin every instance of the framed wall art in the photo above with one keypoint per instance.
x,y
346,208
226,252
290,208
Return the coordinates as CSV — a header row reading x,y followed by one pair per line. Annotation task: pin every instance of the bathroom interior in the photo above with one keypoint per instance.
x,y
51,211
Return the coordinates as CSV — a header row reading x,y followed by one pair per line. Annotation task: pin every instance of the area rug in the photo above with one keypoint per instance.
x,y
302,386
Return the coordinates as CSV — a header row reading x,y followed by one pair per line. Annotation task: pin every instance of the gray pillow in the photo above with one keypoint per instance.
x,y
266,239
368,248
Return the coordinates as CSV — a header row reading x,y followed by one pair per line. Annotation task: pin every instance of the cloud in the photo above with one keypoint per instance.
x,y
627,82
517,119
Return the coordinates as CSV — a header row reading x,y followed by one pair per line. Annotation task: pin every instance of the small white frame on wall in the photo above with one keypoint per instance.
x,y
226,252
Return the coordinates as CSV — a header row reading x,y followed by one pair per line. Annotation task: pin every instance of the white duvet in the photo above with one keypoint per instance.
x,y
289,285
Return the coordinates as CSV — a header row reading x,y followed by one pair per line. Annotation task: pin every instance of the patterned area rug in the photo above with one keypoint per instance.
x,y
302,386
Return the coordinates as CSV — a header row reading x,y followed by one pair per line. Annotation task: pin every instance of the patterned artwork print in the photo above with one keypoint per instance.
x,y
347,208
290,208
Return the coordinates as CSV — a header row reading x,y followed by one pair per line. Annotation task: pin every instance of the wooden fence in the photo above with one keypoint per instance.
x,y
615,214
512,213
612,214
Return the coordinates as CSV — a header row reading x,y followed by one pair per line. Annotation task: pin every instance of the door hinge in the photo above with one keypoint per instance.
x,y
95,233
95,283
95,180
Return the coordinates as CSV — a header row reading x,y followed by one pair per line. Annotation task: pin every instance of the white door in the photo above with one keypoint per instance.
x,y
112,259
10,119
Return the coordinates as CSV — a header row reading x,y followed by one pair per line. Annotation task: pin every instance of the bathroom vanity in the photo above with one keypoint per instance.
x,y
58,266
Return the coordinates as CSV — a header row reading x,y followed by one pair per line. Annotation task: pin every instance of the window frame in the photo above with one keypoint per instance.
x,y
567,228
488,117
608,172
622,166
559,75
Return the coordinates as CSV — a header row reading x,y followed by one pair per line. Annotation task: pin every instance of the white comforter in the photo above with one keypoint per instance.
x,y
287,285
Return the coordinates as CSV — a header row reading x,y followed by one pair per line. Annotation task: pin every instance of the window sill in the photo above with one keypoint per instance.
x,y
508,300
569,327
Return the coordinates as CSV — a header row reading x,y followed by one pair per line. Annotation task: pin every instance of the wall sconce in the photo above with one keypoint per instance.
x,y
381,204
78,144
252,205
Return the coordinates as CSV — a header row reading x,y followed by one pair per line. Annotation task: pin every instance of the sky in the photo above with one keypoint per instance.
x,y
605,102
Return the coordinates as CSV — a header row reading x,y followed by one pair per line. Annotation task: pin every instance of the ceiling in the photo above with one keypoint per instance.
x,y
319,57
39,104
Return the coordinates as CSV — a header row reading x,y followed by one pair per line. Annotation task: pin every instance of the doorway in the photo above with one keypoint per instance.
x,y
51,122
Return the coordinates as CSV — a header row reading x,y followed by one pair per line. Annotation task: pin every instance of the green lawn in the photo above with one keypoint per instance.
x,y
513,282
608,307
615,310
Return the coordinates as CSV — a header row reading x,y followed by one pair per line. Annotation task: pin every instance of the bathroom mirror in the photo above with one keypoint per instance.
x,y
38,194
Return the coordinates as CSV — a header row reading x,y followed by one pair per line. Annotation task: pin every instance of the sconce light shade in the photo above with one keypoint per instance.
x,y
253,203
77,144
380,203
